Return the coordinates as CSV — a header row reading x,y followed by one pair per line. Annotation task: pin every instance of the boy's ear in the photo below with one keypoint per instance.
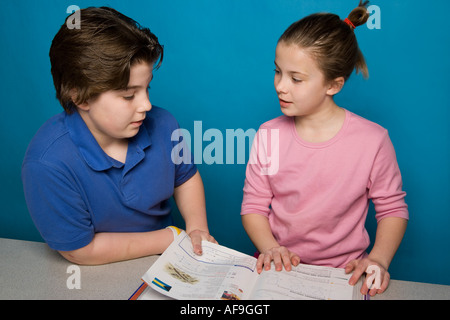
x,y
74,97
335,86
83,106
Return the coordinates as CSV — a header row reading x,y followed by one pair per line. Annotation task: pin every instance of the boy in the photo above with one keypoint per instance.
x,y
98,177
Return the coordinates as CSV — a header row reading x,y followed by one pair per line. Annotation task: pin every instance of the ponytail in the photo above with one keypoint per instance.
x,y
356,18
359,15
331,41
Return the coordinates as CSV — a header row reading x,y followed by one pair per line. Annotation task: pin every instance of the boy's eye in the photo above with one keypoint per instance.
x,y
129,98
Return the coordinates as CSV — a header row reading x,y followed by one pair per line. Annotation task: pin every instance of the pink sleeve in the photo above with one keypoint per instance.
x,y
257,191
385,184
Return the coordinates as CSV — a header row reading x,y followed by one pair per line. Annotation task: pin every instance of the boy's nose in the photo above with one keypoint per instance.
x,y
145,105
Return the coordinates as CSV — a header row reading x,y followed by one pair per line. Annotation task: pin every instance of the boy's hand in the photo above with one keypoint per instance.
x,y
281,256
197,236
377,278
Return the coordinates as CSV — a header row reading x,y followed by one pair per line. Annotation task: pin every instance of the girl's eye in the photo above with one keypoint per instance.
x,y
296,80
276,71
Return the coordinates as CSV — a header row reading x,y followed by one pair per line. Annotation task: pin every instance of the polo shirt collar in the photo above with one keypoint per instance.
x,y
91,151
136,147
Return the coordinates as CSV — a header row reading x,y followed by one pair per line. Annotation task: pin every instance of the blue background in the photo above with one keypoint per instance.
x,y
218,69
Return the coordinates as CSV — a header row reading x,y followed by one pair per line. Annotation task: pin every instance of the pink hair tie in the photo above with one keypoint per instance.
x,y
347,21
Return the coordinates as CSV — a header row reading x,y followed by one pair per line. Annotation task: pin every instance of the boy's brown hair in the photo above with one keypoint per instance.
x,y
331,41
97,57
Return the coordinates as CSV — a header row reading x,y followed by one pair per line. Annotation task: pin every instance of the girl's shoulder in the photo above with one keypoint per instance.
x,y
364,126
277,123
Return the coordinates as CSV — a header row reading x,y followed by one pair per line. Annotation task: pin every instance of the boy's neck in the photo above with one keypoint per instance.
x,y
113,147
117,150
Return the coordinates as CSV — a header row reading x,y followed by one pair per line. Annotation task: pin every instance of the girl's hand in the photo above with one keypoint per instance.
x,y
377,278
281,256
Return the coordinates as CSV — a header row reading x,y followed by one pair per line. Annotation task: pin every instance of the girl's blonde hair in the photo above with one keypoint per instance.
x,y
331,41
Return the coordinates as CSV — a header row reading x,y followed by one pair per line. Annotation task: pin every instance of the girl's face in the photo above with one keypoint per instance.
x,y
117,115
299,83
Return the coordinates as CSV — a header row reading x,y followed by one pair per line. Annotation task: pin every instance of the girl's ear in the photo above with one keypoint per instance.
x,y
335,86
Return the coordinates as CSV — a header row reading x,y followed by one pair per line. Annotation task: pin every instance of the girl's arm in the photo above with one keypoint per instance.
x,y
112,247
390,232
258,229
190,200
385,190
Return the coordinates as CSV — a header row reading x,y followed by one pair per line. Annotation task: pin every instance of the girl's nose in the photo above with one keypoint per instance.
x,y
280,85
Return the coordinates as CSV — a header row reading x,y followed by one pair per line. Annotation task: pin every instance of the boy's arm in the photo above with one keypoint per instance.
x,y
112,247
190,200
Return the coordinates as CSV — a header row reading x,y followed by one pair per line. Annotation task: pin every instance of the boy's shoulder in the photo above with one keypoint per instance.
x,y
52,131
160,113
159,119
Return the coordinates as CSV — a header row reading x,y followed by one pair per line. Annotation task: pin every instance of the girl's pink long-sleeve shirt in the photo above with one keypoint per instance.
x,y
316,195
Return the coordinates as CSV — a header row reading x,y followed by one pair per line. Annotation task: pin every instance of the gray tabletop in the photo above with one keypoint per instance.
x,y
31,270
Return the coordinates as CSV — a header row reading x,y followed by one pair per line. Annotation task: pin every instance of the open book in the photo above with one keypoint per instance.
x,y
223,273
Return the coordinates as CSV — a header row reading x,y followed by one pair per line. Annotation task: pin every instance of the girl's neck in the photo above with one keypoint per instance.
x,y
322,125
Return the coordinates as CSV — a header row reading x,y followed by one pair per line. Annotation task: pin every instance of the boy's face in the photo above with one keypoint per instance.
x,y
115,116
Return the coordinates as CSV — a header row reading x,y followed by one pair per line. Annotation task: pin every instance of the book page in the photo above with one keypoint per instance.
x,y
305,282
219,273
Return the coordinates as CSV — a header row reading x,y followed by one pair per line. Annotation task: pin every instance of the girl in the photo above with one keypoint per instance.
x,y
331,162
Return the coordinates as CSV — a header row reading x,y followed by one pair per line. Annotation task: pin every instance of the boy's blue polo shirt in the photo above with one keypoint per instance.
x,y
73,189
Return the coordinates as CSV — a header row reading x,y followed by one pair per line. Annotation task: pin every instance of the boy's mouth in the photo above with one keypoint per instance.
x,y
137,123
